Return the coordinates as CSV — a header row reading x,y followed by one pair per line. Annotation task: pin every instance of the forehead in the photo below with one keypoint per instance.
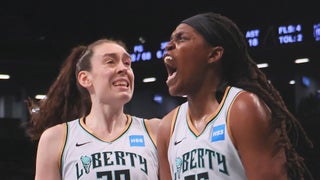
x,y
108,48
184,28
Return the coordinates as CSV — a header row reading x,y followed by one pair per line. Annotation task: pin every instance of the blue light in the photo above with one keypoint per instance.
x,y
306,81
158,98
290,34
138,48
159,54
253,37
163,44
316,32
146,56
133,58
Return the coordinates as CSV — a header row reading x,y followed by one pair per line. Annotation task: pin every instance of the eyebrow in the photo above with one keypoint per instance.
x,y
178,33
115,55
109,54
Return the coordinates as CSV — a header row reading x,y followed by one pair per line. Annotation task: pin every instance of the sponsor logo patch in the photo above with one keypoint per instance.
x,y
218,133
136,140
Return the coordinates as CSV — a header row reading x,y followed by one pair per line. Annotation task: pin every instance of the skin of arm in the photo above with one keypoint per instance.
x,y
163,139
48,153
250,124
153,126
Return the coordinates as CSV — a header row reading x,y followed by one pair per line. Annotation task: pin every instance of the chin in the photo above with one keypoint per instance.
x,y
175,92
126,97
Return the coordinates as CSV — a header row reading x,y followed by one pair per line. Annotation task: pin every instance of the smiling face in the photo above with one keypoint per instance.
x,y
111,79
186,60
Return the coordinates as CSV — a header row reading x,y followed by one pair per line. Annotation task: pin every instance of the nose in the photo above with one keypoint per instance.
x,y
169,46
122,68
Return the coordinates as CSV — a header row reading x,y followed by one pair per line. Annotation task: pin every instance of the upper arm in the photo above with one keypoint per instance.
x,y
153,126
251,129
163,139
48,153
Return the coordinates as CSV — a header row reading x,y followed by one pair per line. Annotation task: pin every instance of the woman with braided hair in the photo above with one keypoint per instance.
x,y
235,124
83,130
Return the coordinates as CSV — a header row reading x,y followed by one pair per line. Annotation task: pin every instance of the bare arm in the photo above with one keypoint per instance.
x,y
163,139
48,153
153,126
250,123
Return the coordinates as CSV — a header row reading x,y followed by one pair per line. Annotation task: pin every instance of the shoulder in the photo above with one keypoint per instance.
x,y
250,103
153,124
53,137
54,132
49,151
248,116
168,118
255,137
164,131
163,139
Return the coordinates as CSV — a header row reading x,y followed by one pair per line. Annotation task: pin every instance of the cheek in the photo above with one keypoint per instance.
x,y
131,74
107,74
190,55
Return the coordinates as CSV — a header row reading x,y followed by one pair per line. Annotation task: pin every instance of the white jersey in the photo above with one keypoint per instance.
x,y
209,154
132,155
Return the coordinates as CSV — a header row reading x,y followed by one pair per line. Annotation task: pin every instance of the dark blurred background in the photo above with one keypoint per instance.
x,y
36,36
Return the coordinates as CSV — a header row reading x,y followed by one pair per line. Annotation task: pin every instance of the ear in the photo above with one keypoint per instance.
x,y
215,54
84,79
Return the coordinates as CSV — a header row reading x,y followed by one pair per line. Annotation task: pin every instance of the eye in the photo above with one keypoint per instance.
x,y
127,61
180,37
109,61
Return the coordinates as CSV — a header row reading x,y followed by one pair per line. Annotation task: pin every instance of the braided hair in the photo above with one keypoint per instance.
x,y
240,70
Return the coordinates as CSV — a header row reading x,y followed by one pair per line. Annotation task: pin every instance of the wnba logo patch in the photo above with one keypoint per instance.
x,y
218,133
136,140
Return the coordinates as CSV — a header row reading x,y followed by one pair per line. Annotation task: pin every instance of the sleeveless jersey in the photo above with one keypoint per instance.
x,y
209,154
132,155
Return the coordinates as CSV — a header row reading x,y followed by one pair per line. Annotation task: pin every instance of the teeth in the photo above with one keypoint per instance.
x,y
121,84
167,59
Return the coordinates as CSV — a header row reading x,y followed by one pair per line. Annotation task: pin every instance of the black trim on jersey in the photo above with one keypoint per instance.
x,y
148,133
92,135
231,103
175,120
63,149
130,118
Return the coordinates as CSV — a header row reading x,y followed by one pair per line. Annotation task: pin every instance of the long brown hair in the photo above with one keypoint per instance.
x,y
66,99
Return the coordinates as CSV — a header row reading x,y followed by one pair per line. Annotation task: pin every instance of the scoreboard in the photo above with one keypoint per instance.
x,y
142,54
272,36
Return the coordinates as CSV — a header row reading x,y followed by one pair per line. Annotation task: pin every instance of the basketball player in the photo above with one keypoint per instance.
x,y
84,132
234,125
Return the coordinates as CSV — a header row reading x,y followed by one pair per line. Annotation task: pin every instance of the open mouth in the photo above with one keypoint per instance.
x,y
121,83
170,65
